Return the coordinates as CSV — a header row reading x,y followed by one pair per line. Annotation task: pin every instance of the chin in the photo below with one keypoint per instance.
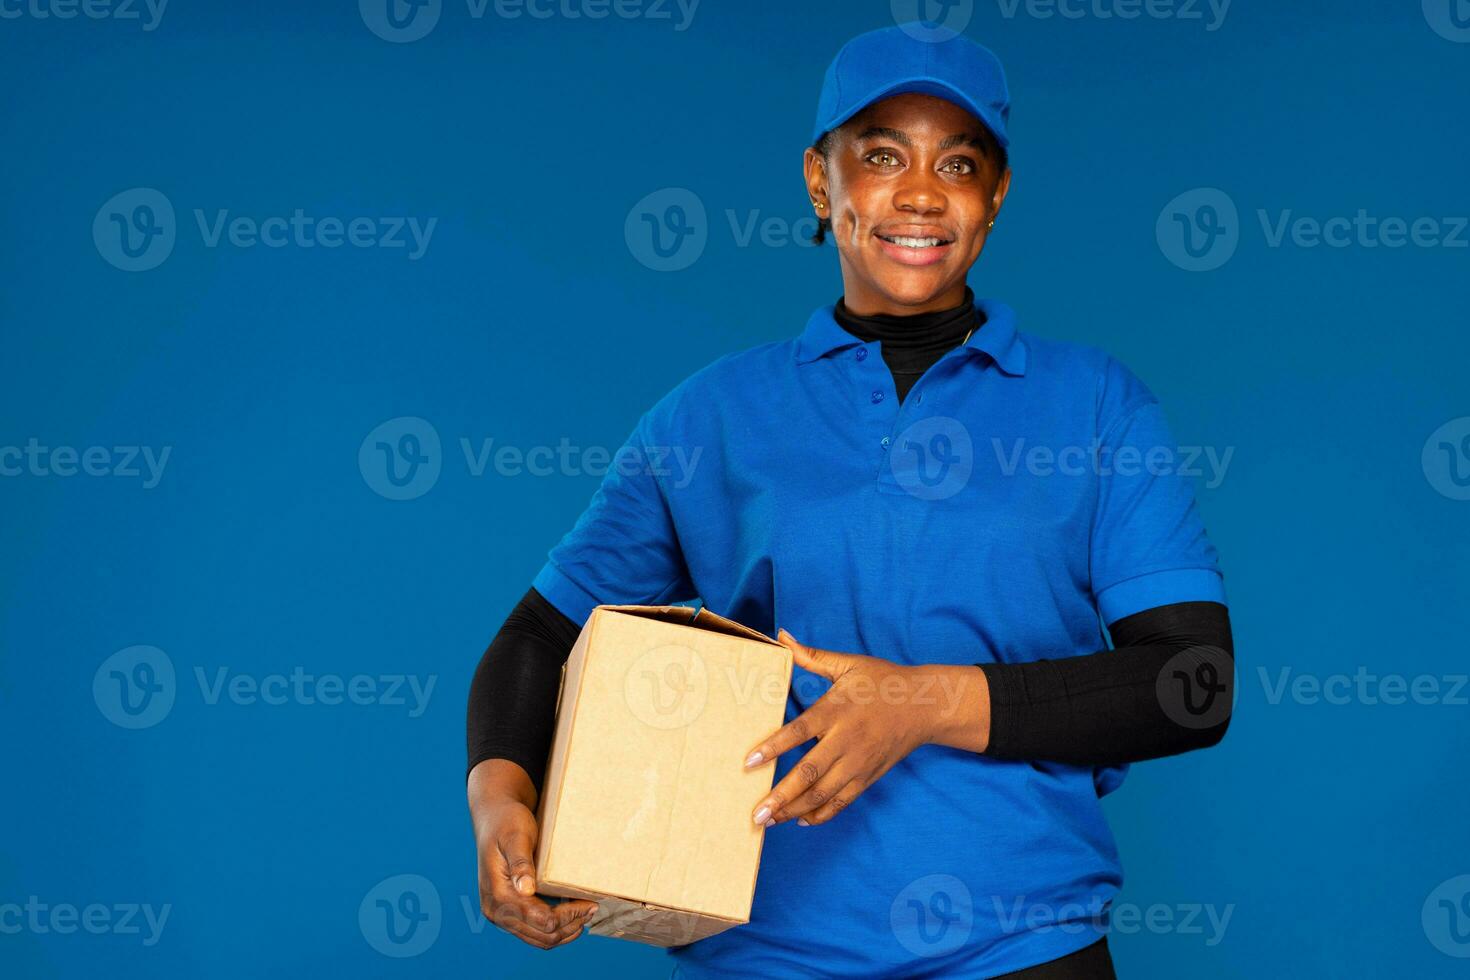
x,y
911,287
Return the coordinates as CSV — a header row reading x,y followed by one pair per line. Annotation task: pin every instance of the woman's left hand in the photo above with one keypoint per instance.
x,y
875,713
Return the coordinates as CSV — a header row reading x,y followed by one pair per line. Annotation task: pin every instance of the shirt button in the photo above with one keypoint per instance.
x,y
862,353
885,442
877,396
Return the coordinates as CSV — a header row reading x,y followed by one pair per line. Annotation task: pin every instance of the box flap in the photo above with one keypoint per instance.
x,y
702,618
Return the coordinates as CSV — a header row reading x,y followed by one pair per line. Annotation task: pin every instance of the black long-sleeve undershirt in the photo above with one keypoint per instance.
x,y
1104,708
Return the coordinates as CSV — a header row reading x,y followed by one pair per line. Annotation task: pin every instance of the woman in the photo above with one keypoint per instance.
x,y
947,523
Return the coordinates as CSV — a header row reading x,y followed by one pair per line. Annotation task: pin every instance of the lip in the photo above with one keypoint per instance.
x,y
914,256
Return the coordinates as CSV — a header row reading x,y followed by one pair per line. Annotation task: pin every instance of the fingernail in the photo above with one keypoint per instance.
x,y
802,821
522,882
762,815
782,632
754,759
769,824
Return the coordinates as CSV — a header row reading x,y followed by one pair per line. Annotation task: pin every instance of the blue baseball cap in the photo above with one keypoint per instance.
x,y
895,60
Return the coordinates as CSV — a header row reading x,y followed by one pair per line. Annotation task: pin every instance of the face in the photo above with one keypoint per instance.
x,y
910,189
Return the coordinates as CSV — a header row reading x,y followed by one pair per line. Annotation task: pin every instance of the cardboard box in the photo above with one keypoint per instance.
x,y
646,803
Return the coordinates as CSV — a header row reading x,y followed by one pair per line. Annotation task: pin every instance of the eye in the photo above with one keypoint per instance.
x,y
883,158
959,166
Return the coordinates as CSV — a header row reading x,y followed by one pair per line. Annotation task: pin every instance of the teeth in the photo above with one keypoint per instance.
x,y
913,242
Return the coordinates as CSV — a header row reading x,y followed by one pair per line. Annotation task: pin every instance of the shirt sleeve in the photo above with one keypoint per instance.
x,y
1149,546
623,549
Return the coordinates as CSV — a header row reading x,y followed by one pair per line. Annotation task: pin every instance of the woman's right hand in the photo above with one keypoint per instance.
x,y
503,808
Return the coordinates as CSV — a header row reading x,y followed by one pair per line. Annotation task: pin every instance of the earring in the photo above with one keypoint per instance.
x,y
818,203
991,223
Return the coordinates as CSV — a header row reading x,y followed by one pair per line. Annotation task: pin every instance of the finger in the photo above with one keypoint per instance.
x,y
564,933
819,793
796,782
508,919
836,803
828,663
803,728
516,847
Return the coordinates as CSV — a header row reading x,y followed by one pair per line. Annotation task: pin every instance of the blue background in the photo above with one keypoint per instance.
x,y
531,319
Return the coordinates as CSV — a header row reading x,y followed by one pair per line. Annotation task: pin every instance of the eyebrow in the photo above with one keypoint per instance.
x,y
902,139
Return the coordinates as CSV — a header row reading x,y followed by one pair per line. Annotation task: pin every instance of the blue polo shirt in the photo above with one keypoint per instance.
x,y
1024,493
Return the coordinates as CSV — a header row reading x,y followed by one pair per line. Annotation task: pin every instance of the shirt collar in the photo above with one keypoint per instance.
x,y
997,338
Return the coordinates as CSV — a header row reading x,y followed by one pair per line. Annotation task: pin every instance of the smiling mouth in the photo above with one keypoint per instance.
x,y
915,250
907,242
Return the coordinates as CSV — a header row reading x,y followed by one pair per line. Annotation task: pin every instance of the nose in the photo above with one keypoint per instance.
x,y
920,192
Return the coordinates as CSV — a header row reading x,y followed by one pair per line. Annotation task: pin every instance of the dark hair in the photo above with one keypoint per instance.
x,y
823,146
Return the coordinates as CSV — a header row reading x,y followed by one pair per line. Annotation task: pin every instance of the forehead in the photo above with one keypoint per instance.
x,y
917,113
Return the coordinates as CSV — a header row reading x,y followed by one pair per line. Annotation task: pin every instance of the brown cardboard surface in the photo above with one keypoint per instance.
x,y
646,804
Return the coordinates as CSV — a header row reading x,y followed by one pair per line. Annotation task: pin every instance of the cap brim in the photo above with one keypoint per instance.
x,y
924,85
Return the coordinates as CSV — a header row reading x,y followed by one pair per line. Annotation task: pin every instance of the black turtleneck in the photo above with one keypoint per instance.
x,y
911,344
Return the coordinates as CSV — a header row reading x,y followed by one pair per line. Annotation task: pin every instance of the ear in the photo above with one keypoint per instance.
x,y
1002,188
814,169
